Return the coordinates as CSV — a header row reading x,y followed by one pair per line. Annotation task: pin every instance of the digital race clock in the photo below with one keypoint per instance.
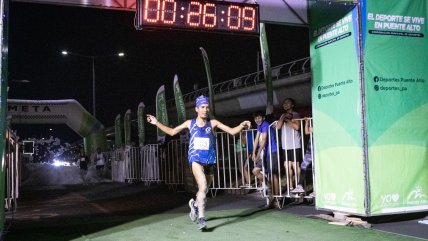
x,y
198,15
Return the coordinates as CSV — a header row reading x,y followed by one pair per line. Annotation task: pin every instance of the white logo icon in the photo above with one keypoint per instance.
x,y
348,196
417,194
208,130
390,198
330,196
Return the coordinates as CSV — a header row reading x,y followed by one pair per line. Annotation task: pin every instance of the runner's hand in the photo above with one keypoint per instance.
x,y
246,124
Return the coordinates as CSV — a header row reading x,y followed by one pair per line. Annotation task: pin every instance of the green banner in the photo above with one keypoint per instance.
x,y
210,86
267,70
161,112
118,132
179,102
336,107
141,120
127,127
396,76
4,37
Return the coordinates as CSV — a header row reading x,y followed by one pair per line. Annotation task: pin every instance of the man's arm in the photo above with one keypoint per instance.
x,y
255,143
308,128
263,138
170,131
232,131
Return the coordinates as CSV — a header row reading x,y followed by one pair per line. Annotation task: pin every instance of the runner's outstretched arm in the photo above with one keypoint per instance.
x,y
170,131
232,131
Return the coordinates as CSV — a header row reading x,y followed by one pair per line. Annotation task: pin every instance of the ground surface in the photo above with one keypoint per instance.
x,y
119,212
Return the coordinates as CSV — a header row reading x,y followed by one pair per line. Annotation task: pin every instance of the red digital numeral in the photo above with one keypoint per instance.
x,y
194,15
209,15
248,16
234,17
168,11
160,10
151,11
241,18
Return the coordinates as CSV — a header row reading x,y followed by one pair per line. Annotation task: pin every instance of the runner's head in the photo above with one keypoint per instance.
x,y
201,100
202,106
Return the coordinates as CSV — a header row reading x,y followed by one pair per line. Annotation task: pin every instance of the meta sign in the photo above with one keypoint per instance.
x,y
217,16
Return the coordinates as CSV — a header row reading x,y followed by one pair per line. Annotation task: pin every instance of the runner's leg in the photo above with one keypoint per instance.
x,y
201,180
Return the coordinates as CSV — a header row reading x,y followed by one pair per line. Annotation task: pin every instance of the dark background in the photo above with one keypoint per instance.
x,y
38,33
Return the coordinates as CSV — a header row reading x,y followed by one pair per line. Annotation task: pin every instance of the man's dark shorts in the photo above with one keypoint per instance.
x,y
84,166
290,155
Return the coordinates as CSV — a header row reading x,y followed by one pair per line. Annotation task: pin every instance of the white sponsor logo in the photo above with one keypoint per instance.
x,y
417,193
208,130
348,196
330,196
389,198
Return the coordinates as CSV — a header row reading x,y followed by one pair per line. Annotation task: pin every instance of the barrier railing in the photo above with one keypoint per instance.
x,y
299,66
12,171
152,163
233,172
174,163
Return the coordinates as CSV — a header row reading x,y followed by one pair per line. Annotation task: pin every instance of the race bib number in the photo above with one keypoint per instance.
x,y
201,143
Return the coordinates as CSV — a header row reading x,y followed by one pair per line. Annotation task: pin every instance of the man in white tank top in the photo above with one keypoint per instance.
x,y
291,141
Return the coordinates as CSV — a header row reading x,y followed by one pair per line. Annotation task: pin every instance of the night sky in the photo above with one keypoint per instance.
x,y
38,33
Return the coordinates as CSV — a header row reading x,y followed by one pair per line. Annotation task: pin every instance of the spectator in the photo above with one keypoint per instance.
x,y
290,139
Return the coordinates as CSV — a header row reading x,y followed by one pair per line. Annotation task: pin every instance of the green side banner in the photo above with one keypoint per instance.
x,y
118,132
141,128
161,112
127,127
267,70
179,102
396,77
210,85
337,113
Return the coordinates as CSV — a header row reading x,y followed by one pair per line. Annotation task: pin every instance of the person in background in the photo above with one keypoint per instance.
x,y
99,160
202,153
244,147
83,160
265,151
307,160
291,140
83,164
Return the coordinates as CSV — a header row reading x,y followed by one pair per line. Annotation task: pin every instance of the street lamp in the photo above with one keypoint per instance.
x,y
92,58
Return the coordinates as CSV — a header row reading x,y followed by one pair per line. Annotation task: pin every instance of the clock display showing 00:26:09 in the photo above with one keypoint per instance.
x,y
200,15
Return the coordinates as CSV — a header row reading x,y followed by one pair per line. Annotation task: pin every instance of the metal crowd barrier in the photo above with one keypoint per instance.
x,y
150,166
12,172
168,163
174,163
231,165
136,164
116,160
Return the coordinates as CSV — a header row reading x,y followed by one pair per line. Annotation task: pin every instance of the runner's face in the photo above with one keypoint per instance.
x,y
203,110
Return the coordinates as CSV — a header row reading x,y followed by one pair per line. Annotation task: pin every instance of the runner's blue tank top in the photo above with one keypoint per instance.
x,y
202,143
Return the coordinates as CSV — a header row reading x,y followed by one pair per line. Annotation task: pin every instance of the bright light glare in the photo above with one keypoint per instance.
x,y
64,52
121,54
59,163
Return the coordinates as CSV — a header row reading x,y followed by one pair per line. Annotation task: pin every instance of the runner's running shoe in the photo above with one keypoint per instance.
x,y
193,210
202,224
